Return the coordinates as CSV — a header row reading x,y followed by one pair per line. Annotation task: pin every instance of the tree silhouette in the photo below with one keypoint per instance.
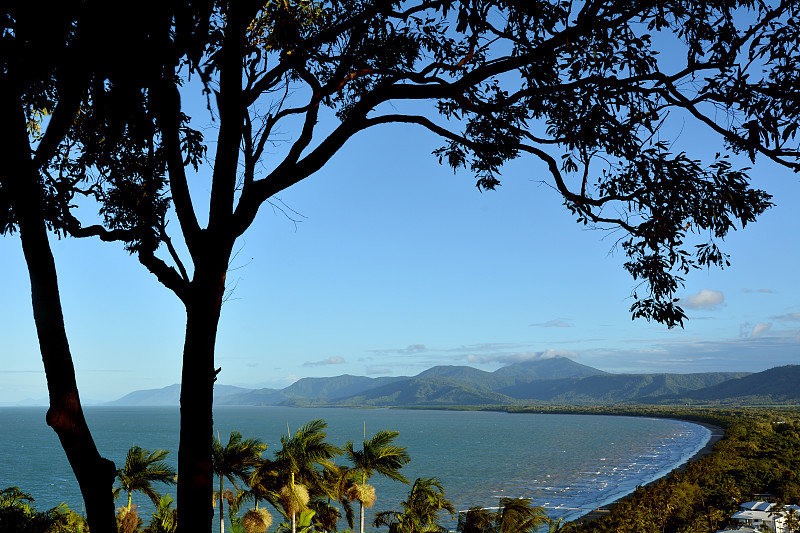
x,y
44,73
576,87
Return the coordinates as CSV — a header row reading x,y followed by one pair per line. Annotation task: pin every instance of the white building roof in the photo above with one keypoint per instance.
x,y
756,506
752,515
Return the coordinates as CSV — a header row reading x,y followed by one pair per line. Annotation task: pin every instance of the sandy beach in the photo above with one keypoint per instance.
x,y
716,434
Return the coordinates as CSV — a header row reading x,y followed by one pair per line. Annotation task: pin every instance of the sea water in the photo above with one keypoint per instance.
x,y
569,464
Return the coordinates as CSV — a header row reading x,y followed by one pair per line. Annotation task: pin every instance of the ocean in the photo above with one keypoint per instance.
x,y
569,464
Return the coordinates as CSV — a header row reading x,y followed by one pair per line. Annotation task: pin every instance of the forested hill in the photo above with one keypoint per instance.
x,y
547,381
777,385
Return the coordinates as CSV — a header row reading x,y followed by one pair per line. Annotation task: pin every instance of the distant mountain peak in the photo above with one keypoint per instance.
x,y
552,380
549,368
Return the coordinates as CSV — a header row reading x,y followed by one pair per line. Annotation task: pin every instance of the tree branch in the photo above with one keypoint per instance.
x,y
173,253
169,119
165,274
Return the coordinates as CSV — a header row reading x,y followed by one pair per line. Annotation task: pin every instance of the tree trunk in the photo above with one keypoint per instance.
x,y
221,515
94,473
195,477
361,517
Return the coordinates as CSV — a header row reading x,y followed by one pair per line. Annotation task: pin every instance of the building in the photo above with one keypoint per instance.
x,y
760,516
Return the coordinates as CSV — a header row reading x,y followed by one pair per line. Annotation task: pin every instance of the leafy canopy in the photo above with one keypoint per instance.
x,y
578,88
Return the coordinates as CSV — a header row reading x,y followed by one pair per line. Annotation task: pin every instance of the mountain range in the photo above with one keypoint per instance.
x,y
557,380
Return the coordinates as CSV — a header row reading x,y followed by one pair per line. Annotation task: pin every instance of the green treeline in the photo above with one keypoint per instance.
x,y
300,489
723,417
758,458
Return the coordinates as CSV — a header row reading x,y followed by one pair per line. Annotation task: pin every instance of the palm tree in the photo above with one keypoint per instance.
x,y
336,485
264,482
256,520
558,526
299,454
420,511
142,469
235,460
165,518
515,515
378,455
475,520
18,513
792,517
296,461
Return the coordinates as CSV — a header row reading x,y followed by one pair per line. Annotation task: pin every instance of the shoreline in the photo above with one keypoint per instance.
x,y
716,434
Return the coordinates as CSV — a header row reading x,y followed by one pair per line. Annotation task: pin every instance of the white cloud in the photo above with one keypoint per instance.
x,y
552,324
789,317
758,329
328,361
408,350
414,348
486,347
280,383
705,299
519,357
374,370
743,354
551,353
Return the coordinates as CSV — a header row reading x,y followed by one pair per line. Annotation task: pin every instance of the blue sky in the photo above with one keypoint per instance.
x,y
394,264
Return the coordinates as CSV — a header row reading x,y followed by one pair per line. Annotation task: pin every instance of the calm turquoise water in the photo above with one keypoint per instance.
x,y
569,464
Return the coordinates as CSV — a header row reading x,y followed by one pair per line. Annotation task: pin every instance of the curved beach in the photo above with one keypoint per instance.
x,y
716,433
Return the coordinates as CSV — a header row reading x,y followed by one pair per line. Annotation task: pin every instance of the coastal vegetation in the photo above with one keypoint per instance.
x,y
18,514
420,511
758,457
512,516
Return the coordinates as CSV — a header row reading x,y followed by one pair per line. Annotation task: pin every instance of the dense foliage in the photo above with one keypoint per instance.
x,y
18,514
585,91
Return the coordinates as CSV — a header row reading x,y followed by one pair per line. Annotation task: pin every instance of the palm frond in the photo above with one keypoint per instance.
x,y
143,468
517,515
380,455
475,520
238,458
